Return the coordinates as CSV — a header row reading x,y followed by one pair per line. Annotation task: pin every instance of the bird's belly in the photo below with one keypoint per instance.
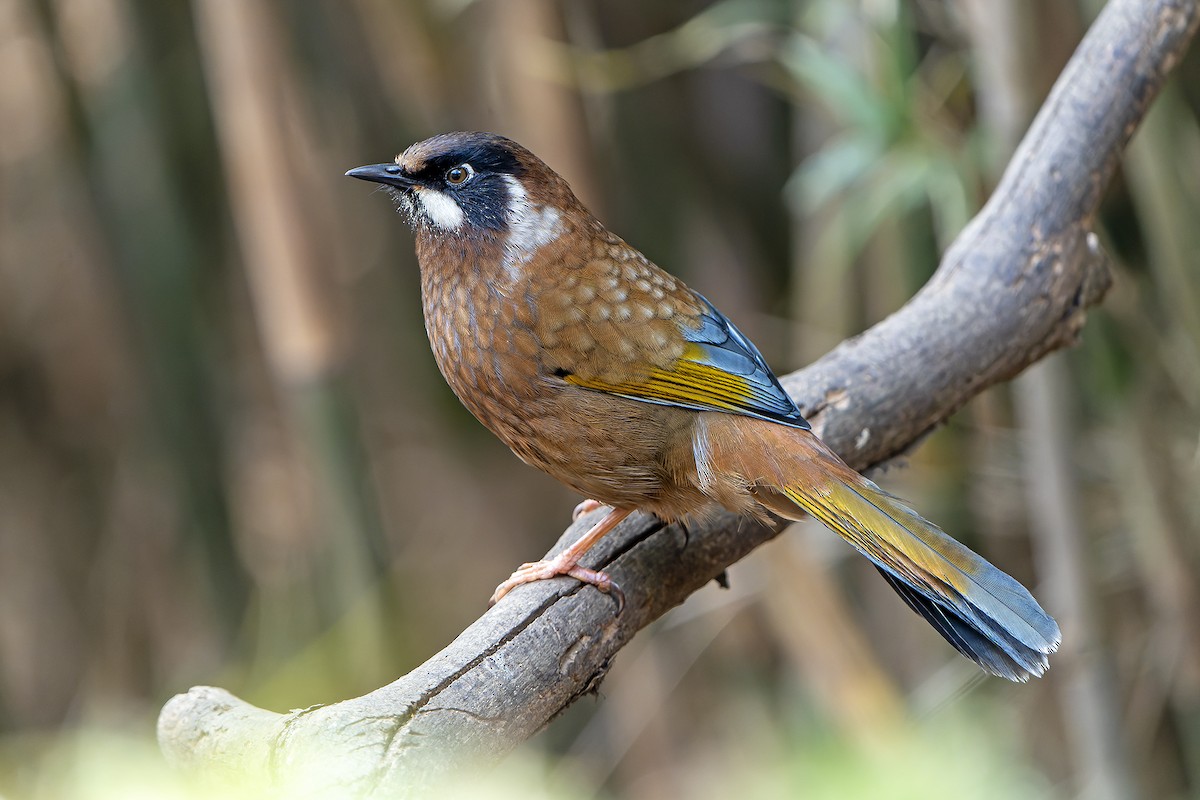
x,y
621,452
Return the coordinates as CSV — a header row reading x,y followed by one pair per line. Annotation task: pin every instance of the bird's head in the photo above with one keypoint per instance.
x,y
474,185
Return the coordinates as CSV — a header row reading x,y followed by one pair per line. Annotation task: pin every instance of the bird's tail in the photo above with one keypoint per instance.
x,y
988,616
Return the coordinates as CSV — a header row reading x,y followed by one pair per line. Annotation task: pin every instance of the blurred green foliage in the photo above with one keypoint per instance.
x,y
942,758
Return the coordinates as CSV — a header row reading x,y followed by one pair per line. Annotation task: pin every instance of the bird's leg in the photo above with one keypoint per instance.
x,y
586,507
567,563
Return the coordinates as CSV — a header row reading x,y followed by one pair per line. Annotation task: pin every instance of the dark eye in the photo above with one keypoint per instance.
x,y
457,176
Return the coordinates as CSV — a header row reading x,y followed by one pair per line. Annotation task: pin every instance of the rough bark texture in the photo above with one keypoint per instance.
x,y
1013,287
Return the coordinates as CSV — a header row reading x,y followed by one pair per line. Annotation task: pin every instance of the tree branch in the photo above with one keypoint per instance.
x,y
1013,287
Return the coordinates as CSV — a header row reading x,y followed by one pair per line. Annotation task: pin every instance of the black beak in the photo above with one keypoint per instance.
x,y
390,174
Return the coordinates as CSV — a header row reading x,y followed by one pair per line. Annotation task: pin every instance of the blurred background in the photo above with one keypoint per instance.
x,y
226,455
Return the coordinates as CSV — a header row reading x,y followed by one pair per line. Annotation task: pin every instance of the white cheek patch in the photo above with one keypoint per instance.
x,y
529,226
443,211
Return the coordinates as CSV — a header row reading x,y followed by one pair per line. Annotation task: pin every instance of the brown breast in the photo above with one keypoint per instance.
x,y
503,332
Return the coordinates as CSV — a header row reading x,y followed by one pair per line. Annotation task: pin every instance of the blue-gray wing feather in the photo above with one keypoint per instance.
x,y
727,349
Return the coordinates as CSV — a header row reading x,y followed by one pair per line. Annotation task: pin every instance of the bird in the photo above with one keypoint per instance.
x,y
608,373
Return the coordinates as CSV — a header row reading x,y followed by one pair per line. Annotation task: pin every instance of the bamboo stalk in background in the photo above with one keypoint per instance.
x,y
1155,485
823,638
819,632
256,104
117,154
248,85
538,109
1088,698
1091,717
1162,160
1167,686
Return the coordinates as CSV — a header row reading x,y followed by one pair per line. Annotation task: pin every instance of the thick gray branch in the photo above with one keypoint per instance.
x,y
1013,287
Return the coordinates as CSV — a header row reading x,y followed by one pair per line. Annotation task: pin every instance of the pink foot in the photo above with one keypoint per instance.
x,y
567,562
544,570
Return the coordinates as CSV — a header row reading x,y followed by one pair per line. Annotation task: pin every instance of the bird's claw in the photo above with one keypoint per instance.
x,y
601,581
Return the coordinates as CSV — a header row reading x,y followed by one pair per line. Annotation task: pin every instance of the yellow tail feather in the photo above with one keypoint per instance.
x,y
985,614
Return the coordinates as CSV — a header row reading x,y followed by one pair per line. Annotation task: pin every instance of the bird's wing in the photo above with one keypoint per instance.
x,y
719,370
